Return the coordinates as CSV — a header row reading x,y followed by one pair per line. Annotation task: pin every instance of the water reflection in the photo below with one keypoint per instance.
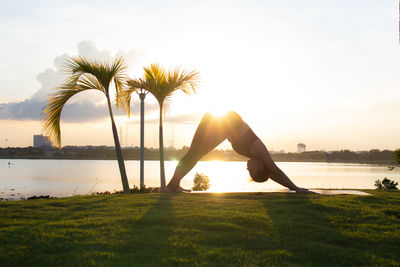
x,y
69,177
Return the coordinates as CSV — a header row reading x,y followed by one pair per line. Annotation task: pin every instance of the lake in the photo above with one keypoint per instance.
x,y
23,177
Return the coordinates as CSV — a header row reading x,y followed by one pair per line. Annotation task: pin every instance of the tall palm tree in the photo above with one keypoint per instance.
x,y
162,84
87,75
125,97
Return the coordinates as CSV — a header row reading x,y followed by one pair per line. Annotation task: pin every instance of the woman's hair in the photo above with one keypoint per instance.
x,y
261,175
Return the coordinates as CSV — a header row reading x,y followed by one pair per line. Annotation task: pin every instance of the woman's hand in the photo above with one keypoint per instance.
x,y
303,191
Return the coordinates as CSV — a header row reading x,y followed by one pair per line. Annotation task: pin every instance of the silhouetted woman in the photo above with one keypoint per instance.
x,y
211,132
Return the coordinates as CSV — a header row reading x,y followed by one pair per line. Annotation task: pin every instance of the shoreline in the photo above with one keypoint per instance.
x,y
378,162
318,191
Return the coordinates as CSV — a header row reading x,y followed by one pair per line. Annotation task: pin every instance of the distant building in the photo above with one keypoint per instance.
x,y
301,147
41,141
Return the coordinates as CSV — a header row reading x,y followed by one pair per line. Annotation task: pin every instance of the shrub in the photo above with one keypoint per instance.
x,y
386,184
134,190
201,182
397,156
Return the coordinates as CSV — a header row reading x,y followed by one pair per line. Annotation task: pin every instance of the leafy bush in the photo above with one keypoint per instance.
x,y
386,184
397,156
201,182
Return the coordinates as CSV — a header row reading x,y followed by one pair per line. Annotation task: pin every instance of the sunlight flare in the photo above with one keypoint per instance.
x,y
219,109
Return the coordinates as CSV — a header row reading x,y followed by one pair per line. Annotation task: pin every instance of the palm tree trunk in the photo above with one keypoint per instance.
x,y
142,96
162,171
118,151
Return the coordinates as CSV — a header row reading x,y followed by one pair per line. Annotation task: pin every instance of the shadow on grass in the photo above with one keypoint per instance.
x,y
309,233
147,240
304,231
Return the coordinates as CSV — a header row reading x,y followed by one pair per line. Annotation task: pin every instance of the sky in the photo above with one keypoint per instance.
x,y
324,73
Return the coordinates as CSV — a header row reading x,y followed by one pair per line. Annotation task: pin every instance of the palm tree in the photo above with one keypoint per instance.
x,y
162,84
86,75
125,97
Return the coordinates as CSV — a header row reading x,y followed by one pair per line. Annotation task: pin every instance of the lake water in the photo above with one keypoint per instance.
x,y
76,177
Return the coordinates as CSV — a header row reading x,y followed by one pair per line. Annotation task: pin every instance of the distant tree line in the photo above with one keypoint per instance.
x,y
372,156
108,153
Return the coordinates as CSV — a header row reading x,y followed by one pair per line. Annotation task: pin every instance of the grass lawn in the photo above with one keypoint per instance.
x,y
202,229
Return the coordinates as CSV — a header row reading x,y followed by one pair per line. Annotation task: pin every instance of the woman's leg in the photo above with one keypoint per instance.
x,y
209,134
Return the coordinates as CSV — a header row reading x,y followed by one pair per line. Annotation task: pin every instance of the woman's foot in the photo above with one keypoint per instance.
x,y
177,189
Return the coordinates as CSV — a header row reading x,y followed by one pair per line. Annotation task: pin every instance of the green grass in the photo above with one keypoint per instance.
x,y
202,229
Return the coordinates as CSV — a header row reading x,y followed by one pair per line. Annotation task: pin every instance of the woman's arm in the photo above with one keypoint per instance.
x,y
259,150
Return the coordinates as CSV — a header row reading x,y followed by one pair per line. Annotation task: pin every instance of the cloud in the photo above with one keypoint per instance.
x,y
88,106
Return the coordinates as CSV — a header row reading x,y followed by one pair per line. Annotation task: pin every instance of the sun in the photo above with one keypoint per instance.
x,y
219,109
218,113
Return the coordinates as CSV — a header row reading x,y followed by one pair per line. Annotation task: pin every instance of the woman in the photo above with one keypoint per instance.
x,y
212,131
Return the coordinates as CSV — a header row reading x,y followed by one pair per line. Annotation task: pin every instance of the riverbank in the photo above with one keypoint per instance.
x,y
202,229
372,162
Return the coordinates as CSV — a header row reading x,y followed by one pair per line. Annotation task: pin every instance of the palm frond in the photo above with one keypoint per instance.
x,y
77,66
124,100
88,82
124,96
117,72
167,105
83,75
52,111
104,72
162,83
